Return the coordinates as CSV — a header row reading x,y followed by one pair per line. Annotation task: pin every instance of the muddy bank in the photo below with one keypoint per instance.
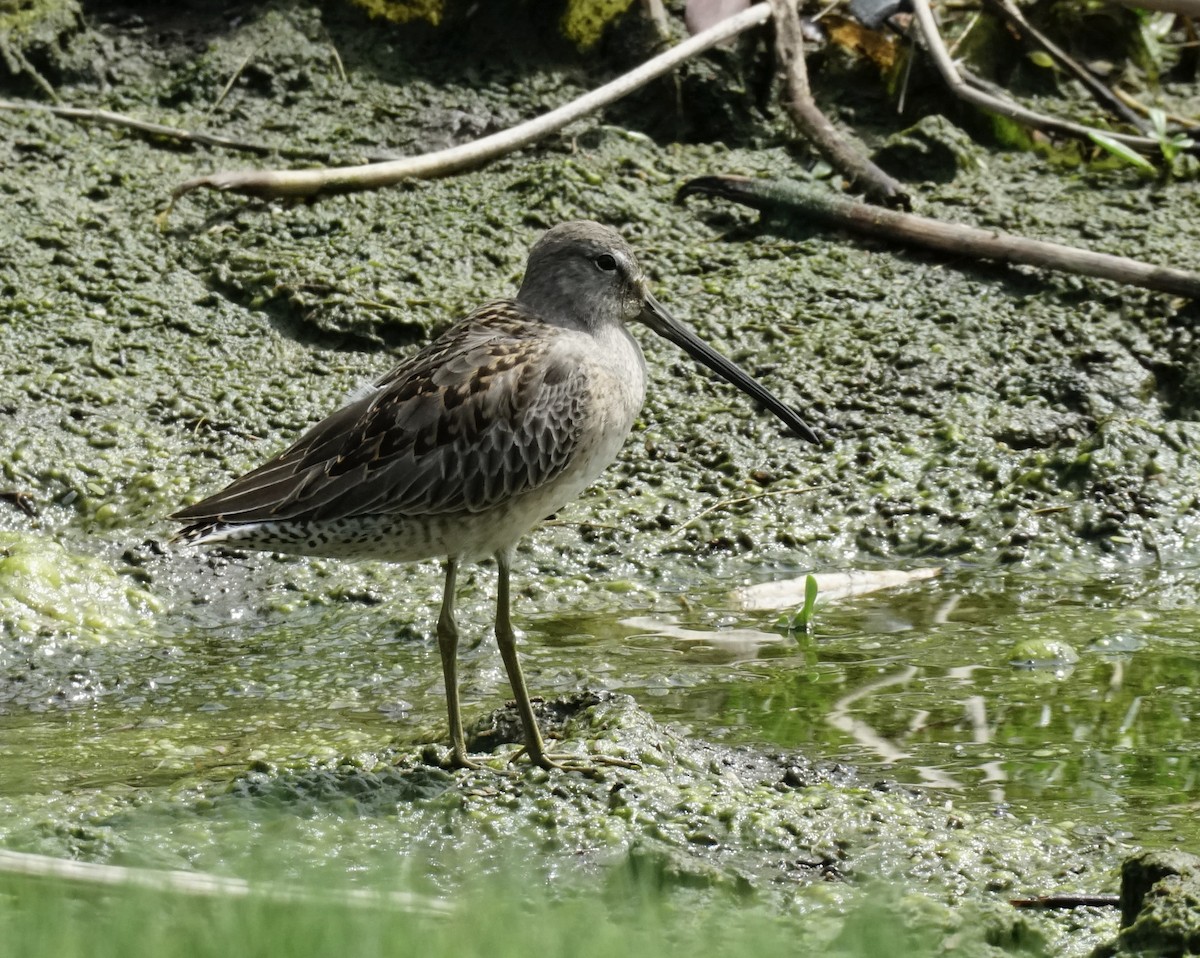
x,y
709,826
992,414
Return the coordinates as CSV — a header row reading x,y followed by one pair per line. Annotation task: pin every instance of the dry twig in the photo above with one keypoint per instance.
x,y
1007,11
16,61
789,48
736,501
968,88
204,884
108,118
278,184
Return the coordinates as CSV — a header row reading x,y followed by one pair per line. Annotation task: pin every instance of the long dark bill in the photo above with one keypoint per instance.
x,y
659,320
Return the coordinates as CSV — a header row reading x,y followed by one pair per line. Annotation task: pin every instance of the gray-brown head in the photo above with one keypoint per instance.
x,y
583,275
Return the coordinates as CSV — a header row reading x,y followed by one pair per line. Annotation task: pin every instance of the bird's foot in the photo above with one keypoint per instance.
x,y
459,759
565,762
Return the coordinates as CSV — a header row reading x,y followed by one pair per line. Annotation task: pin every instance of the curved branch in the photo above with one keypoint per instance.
x,y
109,118
963,89
1012,15
858,169
276,184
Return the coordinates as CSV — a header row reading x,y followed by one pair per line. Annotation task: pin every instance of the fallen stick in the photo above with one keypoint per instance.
x,y
109,118
817,204
813,124
1046,902
16,61
1007,11
280,184
831,586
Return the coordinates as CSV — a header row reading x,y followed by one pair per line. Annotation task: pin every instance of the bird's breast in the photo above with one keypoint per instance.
x,y
615,371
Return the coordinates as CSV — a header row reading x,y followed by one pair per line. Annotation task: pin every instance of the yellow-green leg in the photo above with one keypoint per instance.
x,y
447,632
506,639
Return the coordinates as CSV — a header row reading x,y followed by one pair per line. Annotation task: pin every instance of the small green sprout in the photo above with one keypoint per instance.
x,y
1121,151
802,621
1171,144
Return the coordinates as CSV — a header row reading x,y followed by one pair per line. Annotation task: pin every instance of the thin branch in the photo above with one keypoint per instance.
x,y
726,503
657,15
1185,123
241,68
1008,12
337,57
812,123
969,92
276,184
1047,902
22,500
204,884
16,61
109,118
680,529
809,204
961,38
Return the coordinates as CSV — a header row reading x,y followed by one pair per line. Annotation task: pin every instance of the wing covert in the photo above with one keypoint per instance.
x,y
490,410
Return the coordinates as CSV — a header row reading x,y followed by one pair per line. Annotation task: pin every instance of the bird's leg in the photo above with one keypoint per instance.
x,y
506,639
447,632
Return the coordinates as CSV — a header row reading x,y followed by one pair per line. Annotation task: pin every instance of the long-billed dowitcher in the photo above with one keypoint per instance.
x,y
465,446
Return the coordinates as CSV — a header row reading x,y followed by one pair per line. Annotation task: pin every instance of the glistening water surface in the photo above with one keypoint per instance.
x,y
1062,701
1053,701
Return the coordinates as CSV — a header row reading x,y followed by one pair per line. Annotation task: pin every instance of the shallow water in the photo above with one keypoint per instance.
x,y
945,686
961,686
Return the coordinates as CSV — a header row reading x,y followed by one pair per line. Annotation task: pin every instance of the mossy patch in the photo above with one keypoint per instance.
x,y
46,589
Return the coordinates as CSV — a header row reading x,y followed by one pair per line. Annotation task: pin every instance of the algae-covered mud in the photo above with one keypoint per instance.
x,y
1017,726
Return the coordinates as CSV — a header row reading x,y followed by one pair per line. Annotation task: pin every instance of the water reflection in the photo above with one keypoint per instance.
x,y
916,685
929,685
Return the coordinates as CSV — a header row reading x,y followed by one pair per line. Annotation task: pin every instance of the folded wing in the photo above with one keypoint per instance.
x,y
488,411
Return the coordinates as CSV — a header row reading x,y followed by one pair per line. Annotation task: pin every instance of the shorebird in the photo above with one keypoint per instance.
x,y
464,447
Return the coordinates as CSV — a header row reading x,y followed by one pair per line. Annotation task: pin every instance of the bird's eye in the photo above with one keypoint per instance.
x,y
606,262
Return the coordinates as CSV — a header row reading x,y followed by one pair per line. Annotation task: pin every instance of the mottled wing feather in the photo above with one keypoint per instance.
x,y
489,410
